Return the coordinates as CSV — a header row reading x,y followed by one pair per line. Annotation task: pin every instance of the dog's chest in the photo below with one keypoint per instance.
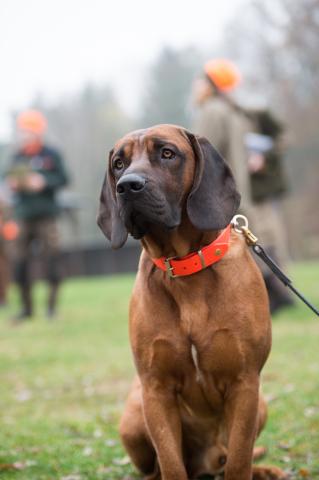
x,y
214,347
201,345
215,358
203,359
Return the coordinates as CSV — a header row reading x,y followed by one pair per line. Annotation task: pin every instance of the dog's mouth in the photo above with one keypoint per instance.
x,y
139,218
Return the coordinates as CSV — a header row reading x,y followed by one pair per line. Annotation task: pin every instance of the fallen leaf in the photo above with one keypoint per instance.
x,y
284,446
309,412
104,469
270,397
286,459
9,466
23,395
110,443
290,387
20,465
35,449
87,451
71,477
121,461
304,472
89,391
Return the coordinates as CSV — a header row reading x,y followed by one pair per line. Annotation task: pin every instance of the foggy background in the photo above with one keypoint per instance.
x,y
99,69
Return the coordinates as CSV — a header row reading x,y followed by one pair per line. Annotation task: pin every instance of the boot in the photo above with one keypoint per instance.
x,y
52,300
27,310
279,295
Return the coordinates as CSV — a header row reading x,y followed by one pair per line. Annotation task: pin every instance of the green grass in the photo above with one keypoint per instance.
x,y
63,385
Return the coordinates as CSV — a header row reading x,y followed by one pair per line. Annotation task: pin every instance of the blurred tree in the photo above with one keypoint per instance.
x,y
166,98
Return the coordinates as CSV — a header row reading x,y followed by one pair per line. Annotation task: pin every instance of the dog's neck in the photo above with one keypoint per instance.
x,y
179,242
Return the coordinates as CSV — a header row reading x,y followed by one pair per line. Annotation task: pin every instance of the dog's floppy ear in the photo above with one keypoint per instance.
x,y
214,199
109,219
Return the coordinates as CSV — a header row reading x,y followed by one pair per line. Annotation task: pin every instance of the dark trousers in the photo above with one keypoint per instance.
x,y
4,274
37,238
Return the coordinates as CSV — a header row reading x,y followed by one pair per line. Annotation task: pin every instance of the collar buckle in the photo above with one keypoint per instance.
x,y
169,267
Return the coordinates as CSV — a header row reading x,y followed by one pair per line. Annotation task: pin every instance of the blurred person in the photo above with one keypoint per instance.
x,y
36,173
8,234
231,129
222,121
268,185
4,262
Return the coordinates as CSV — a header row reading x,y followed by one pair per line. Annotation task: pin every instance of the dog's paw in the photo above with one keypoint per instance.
x,y
269,473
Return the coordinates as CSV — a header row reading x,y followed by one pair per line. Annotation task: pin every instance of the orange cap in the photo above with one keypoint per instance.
x,y
32,121
223,73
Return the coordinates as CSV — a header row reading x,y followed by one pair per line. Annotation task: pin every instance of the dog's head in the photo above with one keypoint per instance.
x,y
156,174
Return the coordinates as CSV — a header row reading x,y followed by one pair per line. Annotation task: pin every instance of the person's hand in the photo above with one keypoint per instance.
x,y
34,182
13,183
256,162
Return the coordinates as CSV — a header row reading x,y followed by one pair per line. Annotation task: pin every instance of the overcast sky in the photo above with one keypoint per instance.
x,y
53,47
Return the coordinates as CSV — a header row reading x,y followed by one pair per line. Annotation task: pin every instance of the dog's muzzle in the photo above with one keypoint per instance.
x,y
130,185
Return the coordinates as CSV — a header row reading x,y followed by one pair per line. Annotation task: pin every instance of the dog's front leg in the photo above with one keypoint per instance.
x,y
241,414
164,426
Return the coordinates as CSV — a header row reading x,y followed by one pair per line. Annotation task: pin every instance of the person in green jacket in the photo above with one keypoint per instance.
x,y
240,136
222,121
36,173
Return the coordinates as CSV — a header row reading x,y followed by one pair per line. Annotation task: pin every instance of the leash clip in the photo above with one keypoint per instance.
x,y
251,239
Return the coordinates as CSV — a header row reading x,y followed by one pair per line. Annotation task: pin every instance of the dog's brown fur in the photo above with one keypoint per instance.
x,y
199,342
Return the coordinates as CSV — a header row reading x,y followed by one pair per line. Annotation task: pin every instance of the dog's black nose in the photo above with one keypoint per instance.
x,y
130,183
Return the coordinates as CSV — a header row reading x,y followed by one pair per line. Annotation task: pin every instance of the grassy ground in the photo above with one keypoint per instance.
x,y
63,385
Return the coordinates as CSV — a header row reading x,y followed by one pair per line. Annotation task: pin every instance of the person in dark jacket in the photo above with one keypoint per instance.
x,y
35,175
268,186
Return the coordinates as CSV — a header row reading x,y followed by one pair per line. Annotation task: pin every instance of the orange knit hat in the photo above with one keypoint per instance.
x,y
32,121
223,73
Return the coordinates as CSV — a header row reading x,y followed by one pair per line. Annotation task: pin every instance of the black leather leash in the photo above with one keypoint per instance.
x,y
252,241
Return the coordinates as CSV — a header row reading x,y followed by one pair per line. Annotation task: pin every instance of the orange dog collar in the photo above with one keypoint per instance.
x,y
197,261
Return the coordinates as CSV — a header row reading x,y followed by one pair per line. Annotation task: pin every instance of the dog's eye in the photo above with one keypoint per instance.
x,y
167,153
118,164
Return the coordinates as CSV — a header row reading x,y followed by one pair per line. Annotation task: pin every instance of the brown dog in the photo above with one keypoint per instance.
x,y
199,341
